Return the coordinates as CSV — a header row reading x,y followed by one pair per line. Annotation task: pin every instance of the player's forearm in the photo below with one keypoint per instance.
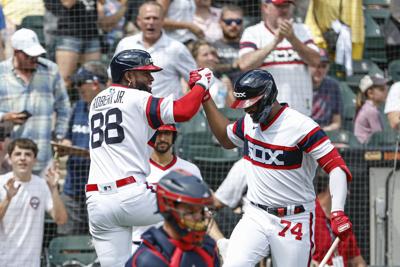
x,y
253,60
59,213
3,207
310,56
218,123
188,105
338,188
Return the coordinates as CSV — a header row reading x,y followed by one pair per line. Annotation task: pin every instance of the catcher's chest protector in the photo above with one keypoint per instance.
x,y
163,252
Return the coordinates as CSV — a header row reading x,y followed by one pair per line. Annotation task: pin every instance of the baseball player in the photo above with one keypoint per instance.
x,y
122,120
283,148
184,201
162,161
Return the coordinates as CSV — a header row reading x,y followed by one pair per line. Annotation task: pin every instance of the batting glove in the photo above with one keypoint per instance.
x,y
341,225
199,77
206,76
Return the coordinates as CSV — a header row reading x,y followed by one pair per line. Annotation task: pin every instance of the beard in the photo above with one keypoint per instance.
x,y
143,87
162,147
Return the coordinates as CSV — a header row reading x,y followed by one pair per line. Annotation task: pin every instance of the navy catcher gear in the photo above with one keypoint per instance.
x,y
132,59
180,187
255,87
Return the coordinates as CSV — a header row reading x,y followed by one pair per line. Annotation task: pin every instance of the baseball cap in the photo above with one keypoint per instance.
x,y
27,41
279,2
376,79
83,75
323,55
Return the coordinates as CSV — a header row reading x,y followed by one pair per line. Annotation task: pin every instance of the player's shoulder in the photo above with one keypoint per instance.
x,y
187,165
302,123
146,257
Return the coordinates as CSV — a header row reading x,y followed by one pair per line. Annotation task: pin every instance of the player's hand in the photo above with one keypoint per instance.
x,y
10,188
340,224
194,76
206,76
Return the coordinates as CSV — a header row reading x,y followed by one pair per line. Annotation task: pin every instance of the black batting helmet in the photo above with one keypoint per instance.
x,y
255,86
181,187
132,59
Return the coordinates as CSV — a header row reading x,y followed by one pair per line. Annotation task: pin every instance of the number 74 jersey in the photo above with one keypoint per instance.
x,y
122,120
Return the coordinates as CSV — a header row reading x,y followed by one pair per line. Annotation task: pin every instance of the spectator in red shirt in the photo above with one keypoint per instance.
x,y
347,251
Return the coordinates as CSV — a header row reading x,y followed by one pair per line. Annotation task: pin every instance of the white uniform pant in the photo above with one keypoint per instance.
x,y
111,217
290,239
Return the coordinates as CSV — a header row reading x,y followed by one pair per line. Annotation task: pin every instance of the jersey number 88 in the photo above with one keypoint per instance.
x,y
113,132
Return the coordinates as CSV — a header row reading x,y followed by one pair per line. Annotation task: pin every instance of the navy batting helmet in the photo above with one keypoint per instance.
x,y
255,86
180,187
132,59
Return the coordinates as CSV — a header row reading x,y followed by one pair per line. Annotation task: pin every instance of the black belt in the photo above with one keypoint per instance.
x,y
280,211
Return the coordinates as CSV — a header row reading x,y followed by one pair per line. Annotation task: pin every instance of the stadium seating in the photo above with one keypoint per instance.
x,y
232,114
35,23
343,139
394,70
73,250
360,69
348,106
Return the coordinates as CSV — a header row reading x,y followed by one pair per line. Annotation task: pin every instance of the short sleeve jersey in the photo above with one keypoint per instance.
x,y
288,68
283,156
22,227
122,121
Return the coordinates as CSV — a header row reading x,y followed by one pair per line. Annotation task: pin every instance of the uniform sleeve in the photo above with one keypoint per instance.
x,y
231,191
248,42
317,144
159,111
393,99
235,132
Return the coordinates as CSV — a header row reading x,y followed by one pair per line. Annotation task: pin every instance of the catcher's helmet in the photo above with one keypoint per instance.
x,y
180,187
255,86
132,59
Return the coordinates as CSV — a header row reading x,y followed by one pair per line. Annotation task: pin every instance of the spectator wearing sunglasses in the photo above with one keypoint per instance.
x,y
228,46
90,79
207,18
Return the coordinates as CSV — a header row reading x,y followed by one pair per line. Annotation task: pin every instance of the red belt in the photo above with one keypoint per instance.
x,y
119,183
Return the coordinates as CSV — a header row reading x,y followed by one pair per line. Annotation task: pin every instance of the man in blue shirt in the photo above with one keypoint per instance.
x,y
90,79
327,101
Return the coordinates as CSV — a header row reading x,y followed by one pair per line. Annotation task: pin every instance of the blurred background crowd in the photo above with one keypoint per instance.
x,y
334,60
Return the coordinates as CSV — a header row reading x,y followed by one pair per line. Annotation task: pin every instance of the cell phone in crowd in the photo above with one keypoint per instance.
x,y
26,113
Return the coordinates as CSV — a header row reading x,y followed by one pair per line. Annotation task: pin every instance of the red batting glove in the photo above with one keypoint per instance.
x,y
341,225
194,76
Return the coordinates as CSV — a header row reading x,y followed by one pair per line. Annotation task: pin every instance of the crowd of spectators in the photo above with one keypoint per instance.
x,y
49,74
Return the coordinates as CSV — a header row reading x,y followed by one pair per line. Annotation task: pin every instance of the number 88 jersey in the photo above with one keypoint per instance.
x,y
122,120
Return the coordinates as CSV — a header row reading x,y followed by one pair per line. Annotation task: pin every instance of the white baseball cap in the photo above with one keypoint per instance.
x,y
27,41
376,79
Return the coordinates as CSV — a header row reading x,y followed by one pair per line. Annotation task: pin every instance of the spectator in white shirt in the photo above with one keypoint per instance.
x,y
169,54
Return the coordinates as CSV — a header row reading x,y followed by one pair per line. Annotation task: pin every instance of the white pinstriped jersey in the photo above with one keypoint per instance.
x,y
156,173
286,66
122,121
283,157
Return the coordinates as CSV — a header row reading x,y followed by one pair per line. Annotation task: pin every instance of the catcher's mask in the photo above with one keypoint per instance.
x,y
255,87
185,201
